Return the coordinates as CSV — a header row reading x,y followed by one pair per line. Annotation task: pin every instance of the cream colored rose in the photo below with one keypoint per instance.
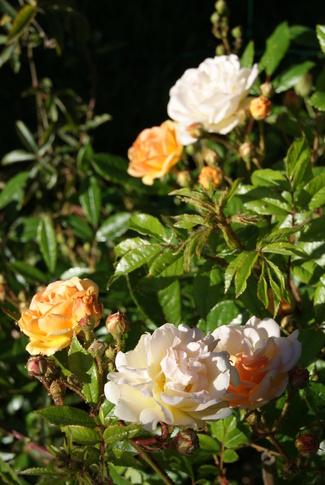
x,y
155,151
55,312
211,94
173,376
262,358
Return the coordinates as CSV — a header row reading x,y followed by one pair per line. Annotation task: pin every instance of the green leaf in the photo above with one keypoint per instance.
x,y
84,367
148,225
276,47
284,248
229,194
298,164
129,244
318,100
262,287
47,242
114,168
66,416
320,31
7,54
115,433
187,221
276,291
229,432
278,235
277,273
113,227
167,264
208,443
21,22
91,200
232,268
312,342
26,137
243,271
29,272
83,435
207,291
170,301
14,190
247,57
270,178
230,456
265,201
116,477
193,243
222,313
135,258
307,272
313,194
79,227
39,471
291,76
17,156
315,397
319,303
8,474
7,8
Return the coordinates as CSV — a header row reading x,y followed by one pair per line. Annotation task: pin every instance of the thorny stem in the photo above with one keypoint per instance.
x,y
21,437
152,462
42,122
284,412
262,448
103,462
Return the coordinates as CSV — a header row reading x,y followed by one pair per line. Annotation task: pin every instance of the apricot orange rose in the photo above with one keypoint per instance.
x,y
155,151
55,313
262,358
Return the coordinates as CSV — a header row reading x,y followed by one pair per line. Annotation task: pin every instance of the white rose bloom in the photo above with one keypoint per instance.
x,y
173,376
211,94
262,358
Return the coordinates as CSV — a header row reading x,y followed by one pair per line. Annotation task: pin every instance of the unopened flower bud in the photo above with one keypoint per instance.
x,y
210,157
298,377
289,469
36,366
253,418
57,390
87,311
210,173
266,90
186,442
237,32
220,50
287,323
246,151
260,108
196,130
307,444
221,7
97,348
215,17
184,178
242,115
117,324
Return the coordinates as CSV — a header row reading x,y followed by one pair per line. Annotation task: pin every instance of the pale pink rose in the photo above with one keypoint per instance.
x,y
262,358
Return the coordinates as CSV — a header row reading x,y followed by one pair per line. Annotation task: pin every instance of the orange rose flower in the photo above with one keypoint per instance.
x,y
262,358
210,173
52,318
155,151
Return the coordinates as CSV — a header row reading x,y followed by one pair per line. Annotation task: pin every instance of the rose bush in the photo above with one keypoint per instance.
x,y
155,151
262,358
211,94
54,314
173,376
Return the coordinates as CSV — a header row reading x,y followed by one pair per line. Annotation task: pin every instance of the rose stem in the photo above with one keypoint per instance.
x,y
21,437
152,462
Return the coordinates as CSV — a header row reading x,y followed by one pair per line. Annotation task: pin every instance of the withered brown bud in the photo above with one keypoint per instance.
x,y
117,324
186,442
289,469
298,377
307,444
196,130
97,348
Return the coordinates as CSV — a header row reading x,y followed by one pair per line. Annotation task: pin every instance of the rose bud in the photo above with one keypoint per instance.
x,y
298,377
184,178
57,390
289,469
307,444
117,324
36,366
97,348
186,442
266,90
246,151
260,108
86,310
210,157
210,173
196,130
